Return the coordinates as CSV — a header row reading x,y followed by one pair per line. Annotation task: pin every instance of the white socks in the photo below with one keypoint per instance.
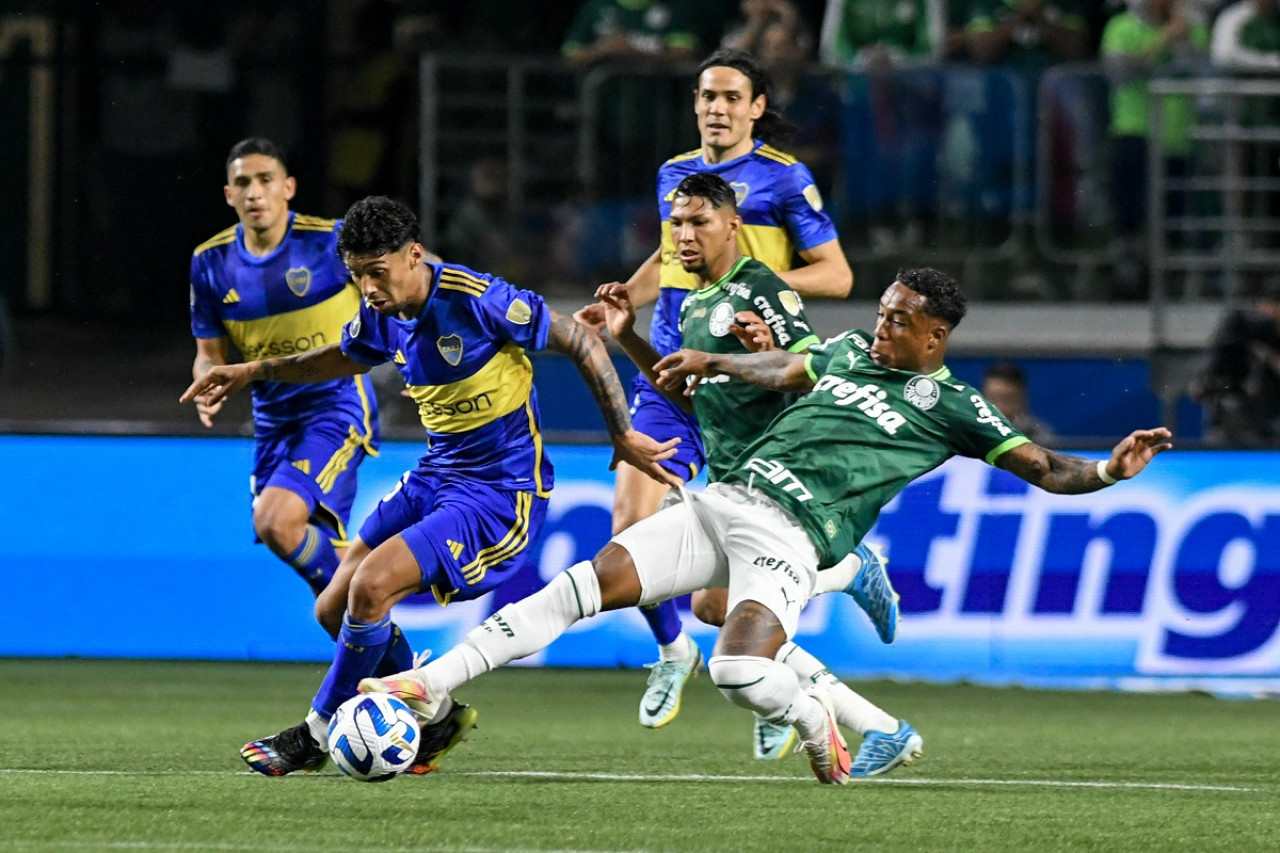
x,y
769,688
519,629
839,576
681,648
852,710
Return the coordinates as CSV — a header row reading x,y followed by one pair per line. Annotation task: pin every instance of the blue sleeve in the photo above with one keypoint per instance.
x,y
364,339
205,322
512,314
802,209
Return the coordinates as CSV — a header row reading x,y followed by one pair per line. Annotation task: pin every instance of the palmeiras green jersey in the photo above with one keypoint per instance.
x,y
841,452
733,413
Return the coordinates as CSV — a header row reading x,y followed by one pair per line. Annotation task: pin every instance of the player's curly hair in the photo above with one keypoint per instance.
x,y
257,145
771,128
943,297
710,186
376,226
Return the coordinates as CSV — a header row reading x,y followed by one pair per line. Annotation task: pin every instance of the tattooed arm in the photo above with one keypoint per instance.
x,y
1071,475
318,365
210,353
588,353
777,370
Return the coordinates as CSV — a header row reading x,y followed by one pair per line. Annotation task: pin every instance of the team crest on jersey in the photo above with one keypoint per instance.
x,y
720,320
353,328
740,192
450,347
921,392
812,196
790,300
519,312
299,280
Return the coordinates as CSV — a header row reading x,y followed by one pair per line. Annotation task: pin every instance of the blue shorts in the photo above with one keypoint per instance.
x,y
660,419
316,458
468,537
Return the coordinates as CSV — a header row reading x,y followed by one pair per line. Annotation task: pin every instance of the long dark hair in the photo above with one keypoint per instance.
x,y
772,128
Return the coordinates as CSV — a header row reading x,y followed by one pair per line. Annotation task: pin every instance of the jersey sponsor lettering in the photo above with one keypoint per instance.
x,y
778,474
868,398
987,416
273,349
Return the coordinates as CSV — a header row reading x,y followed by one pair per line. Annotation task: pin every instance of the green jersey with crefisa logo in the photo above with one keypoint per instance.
x,y
733,413
845,449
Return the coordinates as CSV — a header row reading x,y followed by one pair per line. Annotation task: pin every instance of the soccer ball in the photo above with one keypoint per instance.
x,y
372,737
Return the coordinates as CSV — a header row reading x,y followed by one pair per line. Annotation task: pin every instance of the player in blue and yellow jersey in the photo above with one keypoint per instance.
x,y
782,217
462,521
274,285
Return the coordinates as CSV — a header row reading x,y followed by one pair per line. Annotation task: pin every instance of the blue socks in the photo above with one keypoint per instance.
x,y
359,649
398,656
315,560
664,621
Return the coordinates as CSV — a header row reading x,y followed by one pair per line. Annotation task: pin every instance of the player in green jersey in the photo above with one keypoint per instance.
x,y
881,410
735,298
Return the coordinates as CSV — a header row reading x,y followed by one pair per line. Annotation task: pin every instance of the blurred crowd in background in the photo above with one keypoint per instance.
x,y
1008,140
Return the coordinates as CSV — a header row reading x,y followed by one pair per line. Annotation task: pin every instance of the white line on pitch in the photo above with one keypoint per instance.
x,y
693,777
678,777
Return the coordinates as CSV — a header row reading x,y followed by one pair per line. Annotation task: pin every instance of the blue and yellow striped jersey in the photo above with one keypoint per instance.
x,y
464,361
781,212
297,298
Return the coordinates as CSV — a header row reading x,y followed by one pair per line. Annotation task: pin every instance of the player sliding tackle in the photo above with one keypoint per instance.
x,y
460,523
719,316
881,410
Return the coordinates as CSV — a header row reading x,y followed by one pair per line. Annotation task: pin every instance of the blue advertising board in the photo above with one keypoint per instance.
x,y
122,547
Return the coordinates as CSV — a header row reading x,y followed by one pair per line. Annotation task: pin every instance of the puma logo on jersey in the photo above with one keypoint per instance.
x,y
868,398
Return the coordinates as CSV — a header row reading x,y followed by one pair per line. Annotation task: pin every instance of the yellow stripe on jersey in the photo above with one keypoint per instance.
x,y
497,389
688,155
295,331
537,450
303,222
455,279
516,540
222,238
774,154
363,390
768,244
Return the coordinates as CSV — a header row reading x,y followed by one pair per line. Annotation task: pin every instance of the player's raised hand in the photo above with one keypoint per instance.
x,y
674,371
619,313
640,451
218,384
592,316
1132,454
752,332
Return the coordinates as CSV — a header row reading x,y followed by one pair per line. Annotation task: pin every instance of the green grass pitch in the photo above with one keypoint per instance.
x,y
142,756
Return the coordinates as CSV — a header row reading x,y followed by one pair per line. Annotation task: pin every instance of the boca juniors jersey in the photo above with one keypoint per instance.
x,y
295,299
842,452
463,360
781,212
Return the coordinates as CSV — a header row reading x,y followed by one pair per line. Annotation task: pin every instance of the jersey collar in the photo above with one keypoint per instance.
x,y
704,292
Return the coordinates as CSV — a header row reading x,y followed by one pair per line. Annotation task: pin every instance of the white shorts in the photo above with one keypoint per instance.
x,y
725,536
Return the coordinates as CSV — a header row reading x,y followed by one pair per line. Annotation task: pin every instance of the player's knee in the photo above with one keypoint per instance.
x,y
616,577
709,605
371,593
280,530
330,605
748,682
